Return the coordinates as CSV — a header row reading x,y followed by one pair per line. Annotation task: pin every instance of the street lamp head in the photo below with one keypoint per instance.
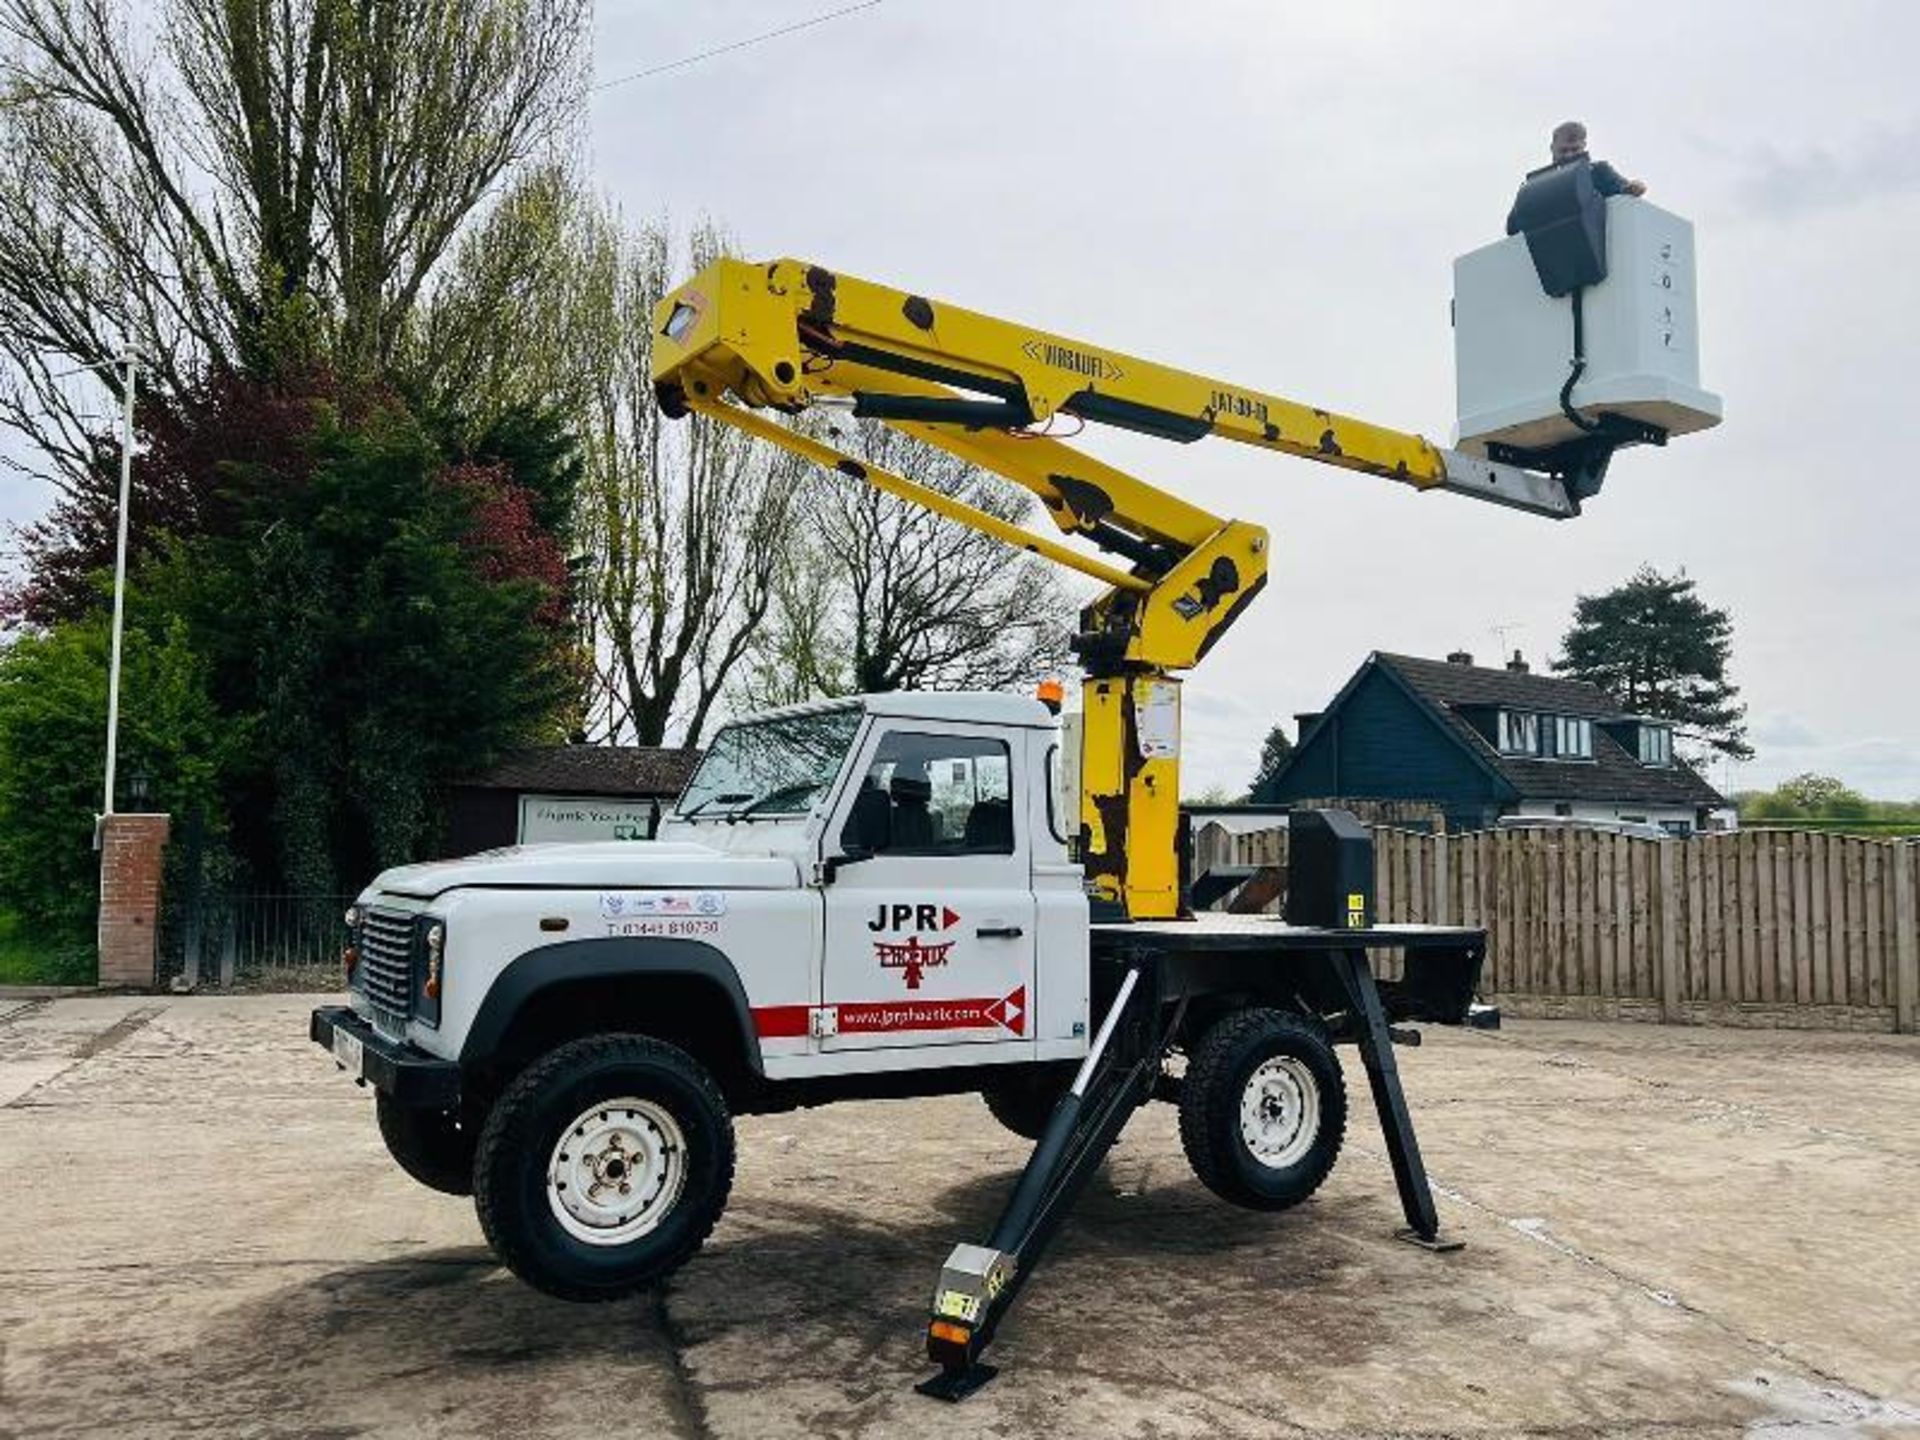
x,y
137,789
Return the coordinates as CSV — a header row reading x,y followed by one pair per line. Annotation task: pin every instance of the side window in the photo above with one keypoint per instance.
x,y
1054,798
934,795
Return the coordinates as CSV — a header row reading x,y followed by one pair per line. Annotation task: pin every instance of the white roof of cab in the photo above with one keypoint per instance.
x,y
974,707
983,707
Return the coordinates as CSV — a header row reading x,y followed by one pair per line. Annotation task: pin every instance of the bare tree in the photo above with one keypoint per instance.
x,y
801,651
521,272
250,182
437,100
715,569
683,527
886,595
686,522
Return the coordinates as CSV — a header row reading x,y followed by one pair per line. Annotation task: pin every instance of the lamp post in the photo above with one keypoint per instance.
x,y
132,363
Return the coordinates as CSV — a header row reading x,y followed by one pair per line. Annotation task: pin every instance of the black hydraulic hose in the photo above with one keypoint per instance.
x,y
1579,368
1061,1142
1029,1200
1075,1145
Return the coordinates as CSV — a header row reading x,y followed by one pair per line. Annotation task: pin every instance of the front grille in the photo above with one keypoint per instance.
x,y
386,960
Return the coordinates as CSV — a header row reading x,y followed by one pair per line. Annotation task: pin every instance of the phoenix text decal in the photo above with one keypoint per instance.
x,y
907,952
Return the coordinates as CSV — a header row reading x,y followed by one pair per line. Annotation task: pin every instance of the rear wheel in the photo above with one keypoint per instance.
x,y
604,1166
435,1147
1263,1108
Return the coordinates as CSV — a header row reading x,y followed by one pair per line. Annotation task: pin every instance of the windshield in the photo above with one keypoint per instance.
x,y
771,767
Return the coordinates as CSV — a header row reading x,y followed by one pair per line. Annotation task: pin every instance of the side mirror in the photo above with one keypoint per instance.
x,y
868,831
869,826
834,864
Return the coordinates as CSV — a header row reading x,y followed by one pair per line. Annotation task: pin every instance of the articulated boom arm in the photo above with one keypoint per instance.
x,y
790,336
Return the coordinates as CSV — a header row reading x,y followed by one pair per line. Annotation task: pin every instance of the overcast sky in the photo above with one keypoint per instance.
x,y
1274,194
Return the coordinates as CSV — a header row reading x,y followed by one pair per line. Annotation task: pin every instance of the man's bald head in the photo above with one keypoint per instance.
x,y
1569,141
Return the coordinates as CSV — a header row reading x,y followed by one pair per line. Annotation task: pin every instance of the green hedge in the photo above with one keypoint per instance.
x,y
49,960
1868,829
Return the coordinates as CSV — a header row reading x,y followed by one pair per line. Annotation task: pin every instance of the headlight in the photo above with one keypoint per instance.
x,y
680,321
430,987
350,954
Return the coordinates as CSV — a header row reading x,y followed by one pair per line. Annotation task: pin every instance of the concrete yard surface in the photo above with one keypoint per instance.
x,y
1678,1230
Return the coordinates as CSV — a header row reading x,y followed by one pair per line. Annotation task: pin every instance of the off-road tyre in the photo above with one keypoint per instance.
x,y
435,1147
1218,1089
515,1167
1024,1103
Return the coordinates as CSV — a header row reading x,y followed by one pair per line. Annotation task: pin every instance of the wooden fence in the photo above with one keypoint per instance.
x,y
1768,927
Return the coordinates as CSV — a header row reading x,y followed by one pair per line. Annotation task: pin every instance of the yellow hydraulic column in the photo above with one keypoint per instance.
x,y
1130,793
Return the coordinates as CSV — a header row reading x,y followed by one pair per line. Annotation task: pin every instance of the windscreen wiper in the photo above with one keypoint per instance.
x,y
795,791
726,799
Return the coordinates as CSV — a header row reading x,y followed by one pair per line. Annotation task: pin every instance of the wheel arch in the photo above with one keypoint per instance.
x,y
682,991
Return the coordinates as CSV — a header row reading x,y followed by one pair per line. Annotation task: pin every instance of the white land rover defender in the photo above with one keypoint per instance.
x,y
859,898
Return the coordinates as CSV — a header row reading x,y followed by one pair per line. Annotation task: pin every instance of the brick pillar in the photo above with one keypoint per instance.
x,y
131,847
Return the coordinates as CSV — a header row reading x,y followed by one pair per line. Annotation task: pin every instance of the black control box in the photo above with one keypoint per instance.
x,y
1329,870
1565,221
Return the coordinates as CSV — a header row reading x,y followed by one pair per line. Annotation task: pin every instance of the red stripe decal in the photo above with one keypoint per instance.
x,y
780,1022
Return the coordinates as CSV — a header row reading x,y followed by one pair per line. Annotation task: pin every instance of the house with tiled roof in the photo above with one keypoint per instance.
x,y
1481,742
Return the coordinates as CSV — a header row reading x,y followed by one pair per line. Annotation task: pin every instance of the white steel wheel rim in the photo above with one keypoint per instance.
x,y
617,1171
1280,1111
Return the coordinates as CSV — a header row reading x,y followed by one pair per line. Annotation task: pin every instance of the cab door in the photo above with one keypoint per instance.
x,y
930,926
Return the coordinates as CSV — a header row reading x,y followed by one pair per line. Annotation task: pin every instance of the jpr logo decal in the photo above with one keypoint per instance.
x,y
913,917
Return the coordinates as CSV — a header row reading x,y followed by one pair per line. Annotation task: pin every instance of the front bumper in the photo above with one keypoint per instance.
x,y
407,1074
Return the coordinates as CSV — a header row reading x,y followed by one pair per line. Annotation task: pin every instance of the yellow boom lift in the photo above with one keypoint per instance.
x,y
741,339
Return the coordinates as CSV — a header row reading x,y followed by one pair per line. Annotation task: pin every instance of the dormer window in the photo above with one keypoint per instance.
x,y
1572,738
1519,733
1656,745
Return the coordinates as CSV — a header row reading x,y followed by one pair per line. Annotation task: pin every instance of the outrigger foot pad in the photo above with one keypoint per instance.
x,y
955,1385
1439,1244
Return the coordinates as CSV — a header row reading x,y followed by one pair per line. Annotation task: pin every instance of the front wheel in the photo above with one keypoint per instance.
x,y
1263,1108
604,1167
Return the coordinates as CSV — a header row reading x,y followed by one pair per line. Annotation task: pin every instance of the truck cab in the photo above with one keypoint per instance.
x,y
861,896
869,881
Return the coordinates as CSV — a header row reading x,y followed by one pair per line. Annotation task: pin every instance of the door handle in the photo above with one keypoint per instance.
x,y
999,932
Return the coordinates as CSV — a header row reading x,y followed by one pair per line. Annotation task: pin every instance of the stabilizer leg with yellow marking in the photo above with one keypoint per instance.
x,y
979,1283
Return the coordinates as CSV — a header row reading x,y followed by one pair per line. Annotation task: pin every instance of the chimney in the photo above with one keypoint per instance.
x,y
1302,719
1459,657
1518,664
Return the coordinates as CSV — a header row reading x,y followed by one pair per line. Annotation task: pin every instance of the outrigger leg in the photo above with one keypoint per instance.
x,y
1375,1040
979,1282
